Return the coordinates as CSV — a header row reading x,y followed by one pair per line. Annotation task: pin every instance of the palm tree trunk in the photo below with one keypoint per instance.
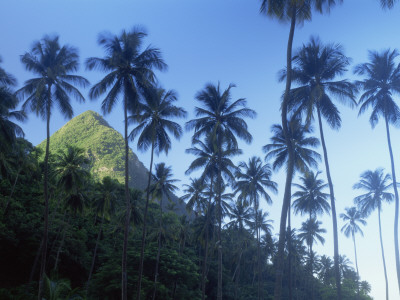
x,y
333,208
355,256
396,212
219,212
289,175
383,254
128,210
46,200
258,251
144,224
158,253
311,271
204,270
94,255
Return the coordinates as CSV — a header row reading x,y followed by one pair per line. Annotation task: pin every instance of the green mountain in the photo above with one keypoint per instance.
x,y
104,147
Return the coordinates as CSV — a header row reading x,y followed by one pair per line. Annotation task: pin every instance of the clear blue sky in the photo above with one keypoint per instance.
x,y
228,41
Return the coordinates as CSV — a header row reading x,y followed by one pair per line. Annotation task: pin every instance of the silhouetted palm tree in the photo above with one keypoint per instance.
x,y
129,69
252,181
316,68
376,184
381,82
352,217
310,198
295,12
52,64
194,195
154,124
223,120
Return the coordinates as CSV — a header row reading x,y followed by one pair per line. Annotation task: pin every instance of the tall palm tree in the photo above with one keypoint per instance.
x,y
295,12
316,68
129,69
310,198
163,187
53,85
154,124
310,232
381,82
223,118
352,217
252,181
376,185
105,197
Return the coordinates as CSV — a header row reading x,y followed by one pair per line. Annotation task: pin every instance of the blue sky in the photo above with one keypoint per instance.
x,y
228,41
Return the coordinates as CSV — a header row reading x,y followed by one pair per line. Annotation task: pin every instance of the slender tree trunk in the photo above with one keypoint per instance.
x,y
219,210
311,271
236,274
94,254
46,200
383,254
181,249
258,252
289,175
290,251
138,295
158,252
355,256
204,270
396,212
333,208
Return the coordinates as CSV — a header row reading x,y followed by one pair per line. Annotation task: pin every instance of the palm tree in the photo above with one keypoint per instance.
x,y
223,119
326,271
294,11
252,181
8,102
71,177
53,65
154,123
129,70
382,80
310,232
163,187
352,217
376,185
388,3
310,198
304,156
194,195
105,197
315,71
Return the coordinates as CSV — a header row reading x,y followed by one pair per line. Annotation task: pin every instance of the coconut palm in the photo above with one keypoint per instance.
x,y
387,3
194,195
295,12
252,181
376,185
53,85
310,199
326,271
224,120
154,124
8,102
381,82
129,69
163,187
304,156
105,197
352,217
316,68
310,232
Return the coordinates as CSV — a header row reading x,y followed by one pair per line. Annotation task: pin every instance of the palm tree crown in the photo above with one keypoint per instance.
x,y
304,156
310,198
352,217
